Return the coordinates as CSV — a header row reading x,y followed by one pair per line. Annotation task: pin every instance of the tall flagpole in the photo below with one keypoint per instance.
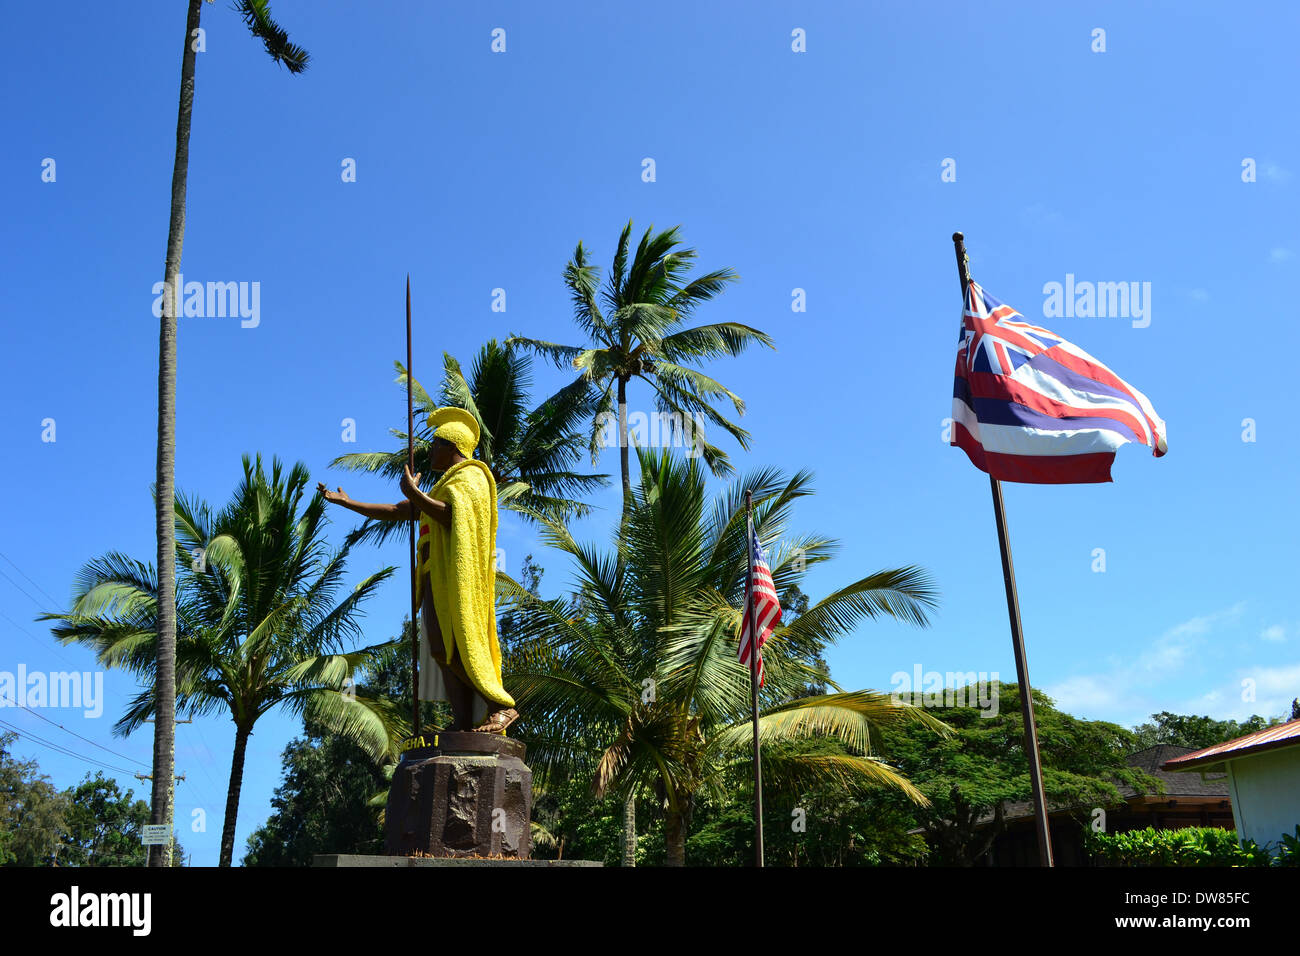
x,y
753,677
410,460
1017,635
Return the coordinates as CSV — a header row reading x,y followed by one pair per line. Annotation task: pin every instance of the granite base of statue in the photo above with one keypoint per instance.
x,y
461,794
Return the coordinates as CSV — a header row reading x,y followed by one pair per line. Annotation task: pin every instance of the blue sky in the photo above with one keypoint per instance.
x,y
817,170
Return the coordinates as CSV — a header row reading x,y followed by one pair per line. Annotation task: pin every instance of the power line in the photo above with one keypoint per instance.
x,y
59,748
74,733
53,600
21,588
208,802
36,640
203,740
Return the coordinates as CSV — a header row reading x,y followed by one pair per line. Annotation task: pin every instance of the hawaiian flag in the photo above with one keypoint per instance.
x,y
762,606
1028,406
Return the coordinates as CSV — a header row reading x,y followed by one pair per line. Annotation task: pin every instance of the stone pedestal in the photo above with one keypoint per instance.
x,y
463,794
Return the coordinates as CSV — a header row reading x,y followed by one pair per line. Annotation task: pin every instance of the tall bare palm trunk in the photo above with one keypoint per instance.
x,y
629,831
629,805
623,449
164,740
232,797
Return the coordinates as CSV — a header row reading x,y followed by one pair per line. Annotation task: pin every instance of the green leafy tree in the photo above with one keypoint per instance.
x,y
322,805
104,826
576,825
261,621
645,662
971,776
1192,731
33,811
257,17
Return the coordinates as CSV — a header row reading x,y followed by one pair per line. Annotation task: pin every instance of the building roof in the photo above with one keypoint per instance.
x,y
1213,758
1178,786
1154,760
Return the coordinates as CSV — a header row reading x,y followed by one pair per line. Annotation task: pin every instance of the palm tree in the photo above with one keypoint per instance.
x,y
642,336
531,452
260,621
257,17
645,658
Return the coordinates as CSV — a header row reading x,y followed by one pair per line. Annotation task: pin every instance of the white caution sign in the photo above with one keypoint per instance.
x,y
156,834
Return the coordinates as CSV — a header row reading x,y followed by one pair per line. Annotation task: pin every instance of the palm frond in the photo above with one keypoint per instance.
x,y
257,17
711,341
905,594
850,718
561,355
796,774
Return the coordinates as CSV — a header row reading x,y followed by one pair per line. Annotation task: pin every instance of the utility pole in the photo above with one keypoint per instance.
x,y
171,793
171,838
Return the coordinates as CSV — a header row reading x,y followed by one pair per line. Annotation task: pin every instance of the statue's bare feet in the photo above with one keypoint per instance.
x,y
498,722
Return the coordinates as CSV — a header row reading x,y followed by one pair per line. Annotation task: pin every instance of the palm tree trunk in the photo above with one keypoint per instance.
x,y
164,739
629,805
232,796
675,838
629,830
622,446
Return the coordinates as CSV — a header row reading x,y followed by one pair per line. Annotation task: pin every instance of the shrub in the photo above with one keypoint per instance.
x,y
1289,849
1191,846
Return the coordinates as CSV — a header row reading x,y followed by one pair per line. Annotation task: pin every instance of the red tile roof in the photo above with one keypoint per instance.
x,y
1270,738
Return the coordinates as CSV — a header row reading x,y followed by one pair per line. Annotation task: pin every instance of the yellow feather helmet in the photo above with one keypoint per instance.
x,y
456,426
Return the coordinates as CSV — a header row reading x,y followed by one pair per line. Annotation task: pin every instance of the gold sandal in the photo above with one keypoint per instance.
x,y
498,722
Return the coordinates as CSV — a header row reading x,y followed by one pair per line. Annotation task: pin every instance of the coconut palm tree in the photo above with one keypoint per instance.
x,y
256,15
645,658
641,335
261,621
531,452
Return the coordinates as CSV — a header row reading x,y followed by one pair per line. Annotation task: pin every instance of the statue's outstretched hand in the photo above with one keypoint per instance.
x,y
410,483
333,497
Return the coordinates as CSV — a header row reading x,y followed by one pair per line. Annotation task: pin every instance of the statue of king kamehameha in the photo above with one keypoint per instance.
x,y
460,656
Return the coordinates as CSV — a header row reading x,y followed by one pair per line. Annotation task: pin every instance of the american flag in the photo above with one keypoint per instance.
x,y
762,606
1028,406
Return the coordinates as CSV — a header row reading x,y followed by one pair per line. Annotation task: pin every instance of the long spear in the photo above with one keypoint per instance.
x,y
1017,634
410,460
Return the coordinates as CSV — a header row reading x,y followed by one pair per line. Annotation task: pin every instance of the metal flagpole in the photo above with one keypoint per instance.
x,y
410,460
1017,635
753,677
